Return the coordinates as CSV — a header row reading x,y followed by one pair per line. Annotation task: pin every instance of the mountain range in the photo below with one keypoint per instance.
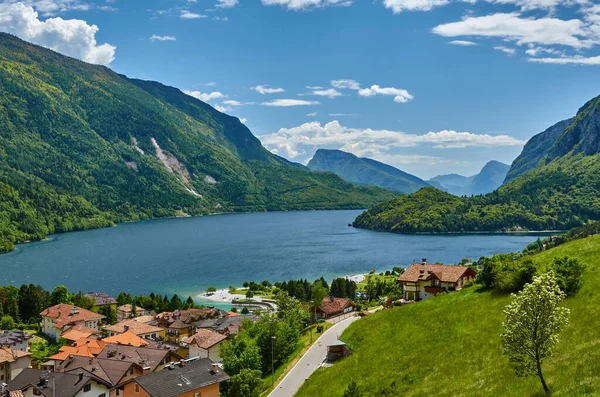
x,y
84,147
490,178
553,184
365,171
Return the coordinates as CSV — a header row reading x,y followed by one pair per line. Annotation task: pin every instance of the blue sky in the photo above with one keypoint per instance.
x,y
430,86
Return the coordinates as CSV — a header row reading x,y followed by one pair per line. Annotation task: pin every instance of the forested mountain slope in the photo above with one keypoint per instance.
x,y
561,191
365,171
82,147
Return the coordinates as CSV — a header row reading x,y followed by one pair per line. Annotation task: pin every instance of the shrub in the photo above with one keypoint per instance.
x,y
568,274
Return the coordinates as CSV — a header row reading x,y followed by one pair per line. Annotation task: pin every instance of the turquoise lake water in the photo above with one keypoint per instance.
x,y
187,255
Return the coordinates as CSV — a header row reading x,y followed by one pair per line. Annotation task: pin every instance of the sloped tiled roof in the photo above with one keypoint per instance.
x,y
134,326
128,308
127,338
83,347
10,356
147,319
192,376
101,298
78,332
110,371
14,337
141,356
205,339
68,314
445,273
333,305
63,385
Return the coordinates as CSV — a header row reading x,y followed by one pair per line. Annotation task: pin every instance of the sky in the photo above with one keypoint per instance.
x,y
429,86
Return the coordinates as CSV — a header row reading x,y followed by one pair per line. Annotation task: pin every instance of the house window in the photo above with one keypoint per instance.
x,y
436,283
102,395
87,388
131,371
136,388
1,367
198,395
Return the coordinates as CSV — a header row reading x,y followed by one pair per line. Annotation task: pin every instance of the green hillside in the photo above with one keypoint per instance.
x,y
562,191
450,345
84,147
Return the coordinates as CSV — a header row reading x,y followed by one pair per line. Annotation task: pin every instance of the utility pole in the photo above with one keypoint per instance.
x,y
311,318
272,362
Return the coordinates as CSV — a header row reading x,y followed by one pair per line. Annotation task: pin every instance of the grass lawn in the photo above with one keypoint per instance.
x,y
283,369
450,345
363,284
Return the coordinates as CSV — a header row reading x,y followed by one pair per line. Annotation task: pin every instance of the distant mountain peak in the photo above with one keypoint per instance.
x,y
486,181
364,171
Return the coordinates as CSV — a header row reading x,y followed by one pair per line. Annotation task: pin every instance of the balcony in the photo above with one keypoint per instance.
x,y
430,289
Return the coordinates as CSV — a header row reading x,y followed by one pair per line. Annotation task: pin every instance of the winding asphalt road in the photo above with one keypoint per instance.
x,y
311,360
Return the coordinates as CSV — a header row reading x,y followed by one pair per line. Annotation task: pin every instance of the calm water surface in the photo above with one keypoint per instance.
x,y
187,255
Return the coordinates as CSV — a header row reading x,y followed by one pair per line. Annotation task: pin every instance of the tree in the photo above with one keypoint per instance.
x,y
244,384
352,390
110,313
85,302
534,319
249,294
318,293
134,312
59,295
568,274
7,323
245,310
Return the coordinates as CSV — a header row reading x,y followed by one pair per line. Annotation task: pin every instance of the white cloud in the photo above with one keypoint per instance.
x,y
462,43
345,84
313,114
231,102
205,97
506,50
54,7
343,114
226,3
162,38
72,37
264,89
300,143
511,27
210,84
220,108
314,87
535,51
400,95
223,19
298,5
243,120
289,102
108,8
329,93
190,15
398,6
576,60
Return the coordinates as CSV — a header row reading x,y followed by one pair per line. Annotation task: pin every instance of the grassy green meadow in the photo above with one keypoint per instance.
x,y
450,345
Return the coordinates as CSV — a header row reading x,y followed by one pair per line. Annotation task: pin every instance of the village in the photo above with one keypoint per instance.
x,y
178,353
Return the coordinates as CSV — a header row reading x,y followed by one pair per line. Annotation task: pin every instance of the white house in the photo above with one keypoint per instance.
x,y
12,362
59,318
205,344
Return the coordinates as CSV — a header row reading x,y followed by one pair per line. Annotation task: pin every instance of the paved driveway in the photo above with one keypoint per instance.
x,y
310,361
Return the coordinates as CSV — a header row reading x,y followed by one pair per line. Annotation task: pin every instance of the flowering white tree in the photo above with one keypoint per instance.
x,y
534,319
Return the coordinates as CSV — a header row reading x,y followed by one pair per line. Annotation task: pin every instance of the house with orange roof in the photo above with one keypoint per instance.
x,y
205,344
126,338
83,348
142,330
12,362
77,332
422,280
59,318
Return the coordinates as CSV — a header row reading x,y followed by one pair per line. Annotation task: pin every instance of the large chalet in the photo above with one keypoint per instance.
x,y
422,280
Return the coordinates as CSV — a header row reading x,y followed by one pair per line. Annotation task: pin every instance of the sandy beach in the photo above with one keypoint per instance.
x,y
357,278
221,295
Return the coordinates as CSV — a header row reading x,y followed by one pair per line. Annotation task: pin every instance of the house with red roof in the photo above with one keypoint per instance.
x,y
331,307
422,280
59,318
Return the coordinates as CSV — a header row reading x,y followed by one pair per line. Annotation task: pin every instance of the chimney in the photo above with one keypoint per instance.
x,y
331,298
215,368
74,310
126,328
424,261
80,377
